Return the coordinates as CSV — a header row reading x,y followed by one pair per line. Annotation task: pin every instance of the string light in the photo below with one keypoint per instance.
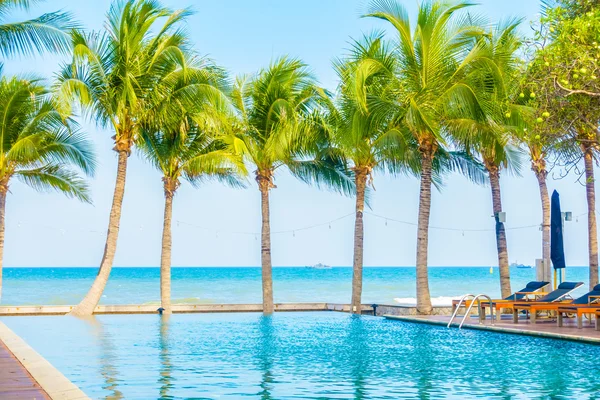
x,y
179,223
292,231
442,228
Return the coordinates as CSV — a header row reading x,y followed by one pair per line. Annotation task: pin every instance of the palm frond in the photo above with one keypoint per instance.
x,y
327,172
49,32
463,163
37,143
55,177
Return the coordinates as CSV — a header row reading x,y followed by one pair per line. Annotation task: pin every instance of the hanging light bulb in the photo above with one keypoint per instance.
x,y
463,233
329,226
386,222
255,237
294,233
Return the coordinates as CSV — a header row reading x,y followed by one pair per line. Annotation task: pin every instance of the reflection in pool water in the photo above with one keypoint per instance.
x,y
304,355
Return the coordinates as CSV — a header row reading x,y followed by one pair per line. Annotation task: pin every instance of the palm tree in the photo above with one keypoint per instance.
x,y
538,147
580,140
48,32
276,129
119,75
38,146
497,154
363,131
184,145
529,117
434,59
487,131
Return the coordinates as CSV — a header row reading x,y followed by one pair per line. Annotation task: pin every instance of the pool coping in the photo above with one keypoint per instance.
x,y
30,310
51,380
513,331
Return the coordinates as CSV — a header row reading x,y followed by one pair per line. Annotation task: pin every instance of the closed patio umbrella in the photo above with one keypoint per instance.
x,y
557,250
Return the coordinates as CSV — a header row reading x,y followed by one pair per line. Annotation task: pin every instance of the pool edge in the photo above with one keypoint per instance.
x,y
31,310
50,379
512,331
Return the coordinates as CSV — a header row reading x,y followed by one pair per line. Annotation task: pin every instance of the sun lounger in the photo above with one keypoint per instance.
x,y
531,289
588,304
551,301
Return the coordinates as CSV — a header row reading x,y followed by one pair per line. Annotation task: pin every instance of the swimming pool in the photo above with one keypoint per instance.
x,y
304,355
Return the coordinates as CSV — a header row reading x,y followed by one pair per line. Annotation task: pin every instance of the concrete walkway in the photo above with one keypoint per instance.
x,y
15,381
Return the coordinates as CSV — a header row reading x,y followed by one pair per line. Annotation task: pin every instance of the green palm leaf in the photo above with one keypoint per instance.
x,y
38,145
55,177
49,32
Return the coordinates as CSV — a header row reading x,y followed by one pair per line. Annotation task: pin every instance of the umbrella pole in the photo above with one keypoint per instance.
x,y
555,280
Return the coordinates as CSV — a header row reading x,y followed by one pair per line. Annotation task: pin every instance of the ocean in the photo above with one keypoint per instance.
x,y
206,285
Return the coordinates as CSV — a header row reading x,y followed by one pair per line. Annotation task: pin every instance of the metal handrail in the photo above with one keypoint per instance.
x,y
474,298
480,310
462,299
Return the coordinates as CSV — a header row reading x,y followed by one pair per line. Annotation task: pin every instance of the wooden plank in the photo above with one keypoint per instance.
x,y
15,382
52,381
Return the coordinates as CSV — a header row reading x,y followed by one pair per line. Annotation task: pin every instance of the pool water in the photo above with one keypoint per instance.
x,y
317,355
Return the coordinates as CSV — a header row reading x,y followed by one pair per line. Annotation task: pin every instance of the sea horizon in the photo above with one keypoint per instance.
x,y
235,284
274,266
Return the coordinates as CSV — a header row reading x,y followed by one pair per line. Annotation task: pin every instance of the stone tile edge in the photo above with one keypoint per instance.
x,y
51,380
550,335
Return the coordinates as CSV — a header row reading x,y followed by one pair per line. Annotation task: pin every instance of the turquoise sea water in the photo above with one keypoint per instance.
x,y
324,355
24,286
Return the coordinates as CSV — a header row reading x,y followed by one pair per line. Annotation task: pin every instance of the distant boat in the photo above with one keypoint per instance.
x,y
319,266
520,265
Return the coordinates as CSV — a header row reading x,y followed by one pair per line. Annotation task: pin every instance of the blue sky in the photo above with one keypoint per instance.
x,y
243,36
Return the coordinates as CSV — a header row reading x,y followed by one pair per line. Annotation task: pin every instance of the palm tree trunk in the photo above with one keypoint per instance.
x,y
541,174
265,184
423,294
91,300
494,175
357,269
3,192
591,202
165,256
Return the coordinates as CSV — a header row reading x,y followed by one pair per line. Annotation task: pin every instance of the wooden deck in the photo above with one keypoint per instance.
x,y
542,328
15,381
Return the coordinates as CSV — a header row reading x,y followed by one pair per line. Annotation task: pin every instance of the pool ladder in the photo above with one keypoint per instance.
x,y
473,299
